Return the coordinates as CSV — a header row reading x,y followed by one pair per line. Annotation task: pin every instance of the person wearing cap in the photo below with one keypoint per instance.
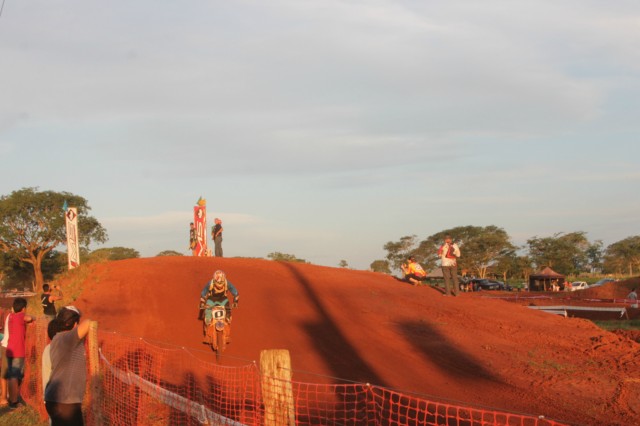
x,y
66,387
413,272
449,252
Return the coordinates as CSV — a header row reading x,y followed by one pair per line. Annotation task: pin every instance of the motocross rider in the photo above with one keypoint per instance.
x,y
216,291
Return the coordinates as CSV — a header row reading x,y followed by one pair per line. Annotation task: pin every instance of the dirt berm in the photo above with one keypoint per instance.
x,y
369,327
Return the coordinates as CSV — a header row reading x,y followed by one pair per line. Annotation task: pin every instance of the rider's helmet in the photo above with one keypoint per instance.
x,y
219,281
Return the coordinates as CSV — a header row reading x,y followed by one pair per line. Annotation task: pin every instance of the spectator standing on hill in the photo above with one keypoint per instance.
x,y
48,299
193,239
216,234
449,252
413,272
65,391
15,351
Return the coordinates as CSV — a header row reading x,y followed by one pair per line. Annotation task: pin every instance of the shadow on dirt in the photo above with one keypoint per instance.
x,y
326,336
438,349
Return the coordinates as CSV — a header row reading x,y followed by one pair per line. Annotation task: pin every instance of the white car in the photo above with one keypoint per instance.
x,y
579,285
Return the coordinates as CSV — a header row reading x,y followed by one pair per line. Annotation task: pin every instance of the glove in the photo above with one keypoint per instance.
x,y
235,301
201,313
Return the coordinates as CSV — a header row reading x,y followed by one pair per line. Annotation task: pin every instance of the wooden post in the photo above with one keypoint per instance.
x,y
95,380
277,392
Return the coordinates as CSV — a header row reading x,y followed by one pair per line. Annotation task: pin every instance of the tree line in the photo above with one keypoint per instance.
x,y
489,250
32,226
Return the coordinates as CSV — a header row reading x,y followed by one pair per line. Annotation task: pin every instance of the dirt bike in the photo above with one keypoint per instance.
x,y
218,332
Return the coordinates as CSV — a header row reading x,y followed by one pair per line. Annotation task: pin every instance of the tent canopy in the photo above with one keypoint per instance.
x,y
547,273
545,280
435,274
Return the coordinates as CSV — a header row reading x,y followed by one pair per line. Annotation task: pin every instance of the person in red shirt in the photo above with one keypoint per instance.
x,y
15,352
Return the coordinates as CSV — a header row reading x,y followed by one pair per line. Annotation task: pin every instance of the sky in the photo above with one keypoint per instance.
x,y
326,128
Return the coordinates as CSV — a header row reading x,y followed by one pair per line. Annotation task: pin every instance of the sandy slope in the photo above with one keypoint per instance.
x,y
372,328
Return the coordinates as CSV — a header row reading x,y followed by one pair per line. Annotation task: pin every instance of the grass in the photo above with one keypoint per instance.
x,y
619,325
72,288
22,416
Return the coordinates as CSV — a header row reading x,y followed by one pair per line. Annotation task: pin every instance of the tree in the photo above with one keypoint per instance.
x,y
169,253
380,266
109,254
523,267
398,252
595,254
343,264
284,257
32,224
565,253
623,255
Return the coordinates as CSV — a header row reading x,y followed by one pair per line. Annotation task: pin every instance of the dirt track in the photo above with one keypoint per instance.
x,y
372,328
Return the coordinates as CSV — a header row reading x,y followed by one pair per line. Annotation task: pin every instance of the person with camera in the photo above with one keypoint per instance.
x,y
48,299
449,252
413,272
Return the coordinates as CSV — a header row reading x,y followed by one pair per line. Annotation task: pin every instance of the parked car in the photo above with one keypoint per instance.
x,y
487,284
602,282
579,285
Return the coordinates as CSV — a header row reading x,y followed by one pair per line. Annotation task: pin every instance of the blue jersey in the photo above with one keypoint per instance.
x,y
206,294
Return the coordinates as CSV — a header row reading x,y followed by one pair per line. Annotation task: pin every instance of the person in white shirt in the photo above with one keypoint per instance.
x,y
449,252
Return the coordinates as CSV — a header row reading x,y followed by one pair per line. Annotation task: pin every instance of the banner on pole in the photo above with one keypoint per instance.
x,y
73,246
200,222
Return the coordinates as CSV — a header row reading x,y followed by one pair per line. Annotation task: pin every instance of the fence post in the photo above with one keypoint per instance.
x,y
94,374
277,392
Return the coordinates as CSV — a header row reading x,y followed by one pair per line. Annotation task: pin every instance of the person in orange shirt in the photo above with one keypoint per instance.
x,y
413,272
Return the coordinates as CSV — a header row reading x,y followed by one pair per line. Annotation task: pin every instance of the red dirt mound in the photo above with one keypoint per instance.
x,y
614,290
372,328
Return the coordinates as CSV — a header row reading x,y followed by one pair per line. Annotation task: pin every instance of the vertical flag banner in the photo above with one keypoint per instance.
x,y
200,222
73,246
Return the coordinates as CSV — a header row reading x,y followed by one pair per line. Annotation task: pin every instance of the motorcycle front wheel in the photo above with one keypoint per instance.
x,y
221,343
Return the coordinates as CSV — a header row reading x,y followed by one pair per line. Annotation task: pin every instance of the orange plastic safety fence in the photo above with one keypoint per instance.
x,y
359,404
31,389
143,383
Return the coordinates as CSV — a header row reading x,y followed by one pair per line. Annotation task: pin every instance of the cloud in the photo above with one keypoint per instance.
x,y
386,78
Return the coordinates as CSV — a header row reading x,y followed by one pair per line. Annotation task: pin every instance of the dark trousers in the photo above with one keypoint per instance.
x,y
64,414
450,274
217,241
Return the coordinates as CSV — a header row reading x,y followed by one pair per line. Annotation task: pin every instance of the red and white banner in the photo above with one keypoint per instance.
x,y
73,246
200,222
